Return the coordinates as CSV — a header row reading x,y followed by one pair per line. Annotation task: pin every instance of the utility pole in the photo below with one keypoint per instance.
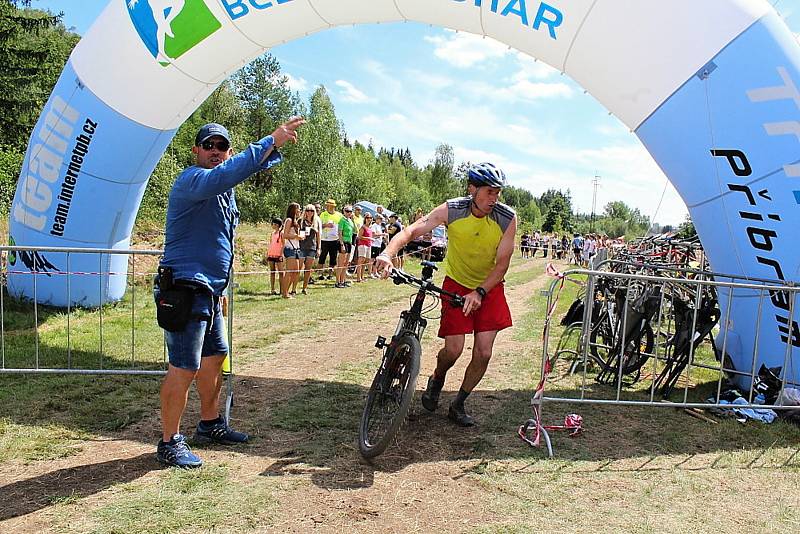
x,y
596,183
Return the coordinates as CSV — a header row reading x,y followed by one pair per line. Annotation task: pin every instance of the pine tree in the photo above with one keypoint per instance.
x,y
34,46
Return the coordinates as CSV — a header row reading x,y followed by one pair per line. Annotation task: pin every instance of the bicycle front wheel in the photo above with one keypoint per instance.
x,y
389,397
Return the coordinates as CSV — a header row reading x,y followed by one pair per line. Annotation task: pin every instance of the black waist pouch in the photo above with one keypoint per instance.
x,y
174,308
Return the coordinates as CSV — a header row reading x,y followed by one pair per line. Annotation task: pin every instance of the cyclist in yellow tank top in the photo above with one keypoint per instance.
x,y
481,234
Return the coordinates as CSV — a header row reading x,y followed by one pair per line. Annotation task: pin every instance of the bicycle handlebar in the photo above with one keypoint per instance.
x,y
401,277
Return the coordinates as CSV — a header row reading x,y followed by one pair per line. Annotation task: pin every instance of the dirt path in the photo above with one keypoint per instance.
x,y
417,485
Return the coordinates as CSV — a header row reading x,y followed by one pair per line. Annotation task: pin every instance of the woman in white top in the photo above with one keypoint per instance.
x,y
378,245
310,232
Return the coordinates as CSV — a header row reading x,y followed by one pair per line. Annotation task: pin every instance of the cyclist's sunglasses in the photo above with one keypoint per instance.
x,y
222,146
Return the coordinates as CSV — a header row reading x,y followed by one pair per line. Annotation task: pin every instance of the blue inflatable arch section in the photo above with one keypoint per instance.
x,y
711,88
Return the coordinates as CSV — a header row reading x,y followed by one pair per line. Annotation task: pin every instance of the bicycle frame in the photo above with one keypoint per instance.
x,y
411,320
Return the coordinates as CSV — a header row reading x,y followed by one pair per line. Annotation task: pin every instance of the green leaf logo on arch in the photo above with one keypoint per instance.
x,y
170,28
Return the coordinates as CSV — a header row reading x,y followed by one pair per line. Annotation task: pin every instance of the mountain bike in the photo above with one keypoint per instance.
x,y
392,389
616,307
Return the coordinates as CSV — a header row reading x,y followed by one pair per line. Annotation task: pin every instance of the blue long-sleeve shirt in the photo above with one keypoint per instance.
x,y
202,216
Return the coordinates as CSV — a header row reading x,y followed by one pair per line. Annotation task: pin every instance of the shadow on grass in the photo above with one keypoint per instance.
x,y
311,427
32,494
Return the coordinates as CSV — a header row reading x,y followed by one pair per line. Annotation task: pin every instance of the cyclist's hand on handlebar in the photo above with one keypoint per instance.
x,y
472,301
384,265
457,301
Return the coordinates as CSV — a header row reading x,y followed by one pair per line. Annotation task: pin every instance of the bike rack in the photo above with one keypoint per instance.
x,y
702,283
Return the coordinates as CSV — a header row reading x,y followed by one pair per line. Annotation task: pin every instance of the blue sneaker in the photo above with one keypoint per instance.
x,y
176,453
219,432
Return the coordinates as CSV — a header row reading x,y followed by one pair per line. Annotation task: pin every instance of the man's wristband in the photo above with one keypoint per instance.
x,y
480,291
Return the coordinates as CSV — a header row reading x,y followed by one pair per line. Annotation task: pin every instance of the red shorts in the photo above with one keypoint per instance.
x,y
493,315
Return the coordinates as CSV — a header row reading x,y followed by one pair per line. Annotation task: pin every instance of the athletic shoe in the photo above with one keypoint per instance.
x,y
219,432
176,453
430,399
311,281
347,284
459,416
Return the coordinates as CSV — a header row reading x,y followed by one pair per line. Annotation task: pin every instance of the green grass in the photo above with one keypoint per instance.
x,y
38,337
357,373
328,412
211,499
80,402
633,470
37,442
632,466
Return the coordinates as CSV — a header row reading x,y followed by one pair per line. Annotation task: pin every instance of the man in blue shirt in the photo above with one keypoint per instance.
x,y
198,255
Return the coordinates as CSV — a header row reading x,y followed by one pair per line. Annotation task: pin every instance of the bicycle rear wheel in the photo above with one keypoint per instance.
x,y
637,352
389,397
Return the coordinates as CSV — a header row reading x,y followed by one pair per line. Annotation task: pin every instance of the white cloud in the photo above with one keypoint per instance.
x,y
428,79
350,93
520,91
509,166
367,138
612,129
297,84
532,156
528,90
389,82
534,152
530,68
371,120
376,120
465,49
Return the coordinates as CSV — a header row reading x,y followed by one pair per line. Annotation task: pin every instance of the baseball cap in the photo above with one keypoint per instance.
x,y
210,130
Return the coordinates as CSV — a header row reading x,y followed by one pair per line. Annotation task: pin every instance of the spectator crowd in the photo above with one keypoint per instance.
x,y
577,250
313,244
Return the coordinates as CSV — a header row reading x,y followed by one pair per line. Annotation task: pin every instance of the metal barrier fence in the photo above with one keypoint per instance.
x,y
647,338
120,338
36,338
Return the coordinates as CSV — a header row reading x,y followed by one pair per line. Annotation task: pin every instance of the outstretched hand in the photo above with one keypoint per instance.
x,y
287,131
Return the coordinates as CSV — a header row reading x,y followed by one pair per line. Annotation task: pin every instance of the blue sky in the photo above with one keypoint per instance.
x,y
413,85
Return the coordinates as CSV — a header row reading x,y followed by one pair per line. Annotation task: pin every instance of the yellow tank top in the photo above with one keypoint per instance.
x,y
472,241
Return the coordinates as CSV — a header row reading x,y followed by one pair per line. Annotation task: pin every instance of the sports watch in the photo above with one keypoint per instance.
x,y
480,291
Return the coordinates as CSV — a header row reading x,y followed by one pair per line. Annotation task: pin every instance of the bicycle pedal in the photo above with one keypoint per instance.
x,y
380,343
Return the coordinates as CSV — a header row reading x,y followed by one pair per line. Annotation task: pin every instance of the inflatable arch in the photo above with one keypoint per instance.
x,y
710,88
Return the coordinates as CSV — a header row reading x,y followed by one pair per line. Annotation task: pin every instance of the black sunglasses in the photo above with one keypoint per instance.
x,y
222,146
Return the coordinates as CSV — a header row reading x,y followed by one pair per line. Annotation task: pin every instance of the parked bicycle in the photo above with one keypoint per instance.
x,y
389,397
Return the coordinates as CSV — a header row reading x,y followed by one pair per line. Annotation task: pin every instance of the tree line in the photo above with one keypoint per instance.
x,y
325,163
